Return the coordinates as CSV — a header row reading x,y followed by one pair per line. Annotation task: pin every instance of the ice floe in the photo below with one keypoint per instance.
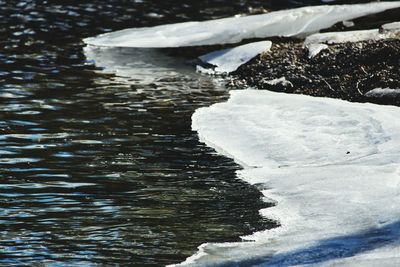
x,y
235,29
348,23
281,80
350,36
228,60
315,49
333,167
391,26
382,92
320,41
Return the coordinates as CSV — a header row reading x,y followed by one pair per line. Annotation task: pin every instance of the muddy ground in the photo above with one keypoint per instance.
x,y
347,71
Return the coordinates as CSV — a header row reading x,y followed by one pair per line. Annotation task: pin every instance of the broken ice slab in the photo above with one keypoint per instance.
x,y
293,22
228,60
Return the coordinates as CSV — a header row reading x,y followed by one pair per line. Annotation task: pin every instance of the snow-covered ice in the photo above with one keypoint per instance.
x,y
228,60
333,168
292,22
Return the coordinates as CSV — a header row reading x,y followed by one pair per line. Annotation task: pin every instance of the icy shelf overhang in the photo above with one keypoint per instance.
x,y
332,166
235,29
228,60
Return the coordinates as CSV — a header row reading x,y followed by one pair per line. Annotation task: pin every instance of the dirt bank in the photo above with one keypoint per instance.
x,y
347,71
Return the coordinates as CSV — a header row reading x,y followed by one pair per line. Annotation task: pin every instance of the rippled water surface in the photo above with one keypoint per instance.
x,y
98,168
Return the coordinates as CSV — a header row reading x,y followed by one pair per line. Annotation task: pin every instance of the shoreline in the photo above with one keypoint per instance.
x,y
365,71
346,71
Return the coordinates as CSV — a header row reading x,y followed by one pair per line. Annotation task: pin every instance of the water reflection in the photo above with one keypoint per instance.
x,y
97,168
136,65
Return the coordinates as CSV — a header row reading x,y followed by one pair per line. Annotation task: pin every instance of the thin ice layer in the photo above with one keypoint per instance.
x,y
333,167
230,59
351,36
318,42
391,26
235,29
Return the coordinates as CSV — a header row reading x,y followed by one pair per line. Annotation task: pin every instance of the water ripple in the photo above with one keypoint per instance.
x,y
103,169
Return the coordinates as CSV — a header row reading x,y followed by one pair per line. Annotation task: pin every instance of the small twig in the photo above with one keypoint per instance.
x,y
362,68
358,89
330,87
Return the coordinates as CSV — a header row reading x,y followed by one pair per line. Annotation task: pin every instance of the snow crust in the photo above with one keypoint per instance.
x,y
333,168
382,92
292,22
230,59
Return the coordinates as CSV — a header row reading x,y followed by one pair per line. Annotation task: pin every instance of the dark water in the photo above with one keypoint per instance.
x,y
99,169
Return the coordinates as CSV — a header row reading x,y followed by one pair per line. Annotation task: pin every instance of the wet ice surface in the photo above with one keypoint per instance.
x,y
331,166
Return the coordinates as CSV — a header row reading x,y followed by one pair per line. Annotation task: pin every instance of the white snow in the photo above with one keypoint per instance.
x,y
230,59
333,168
235,29
382,92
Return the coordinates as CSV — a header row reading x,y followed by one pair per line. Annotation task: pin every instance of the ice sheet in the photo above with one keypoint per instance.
x,y
235,29
333,167
230,59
